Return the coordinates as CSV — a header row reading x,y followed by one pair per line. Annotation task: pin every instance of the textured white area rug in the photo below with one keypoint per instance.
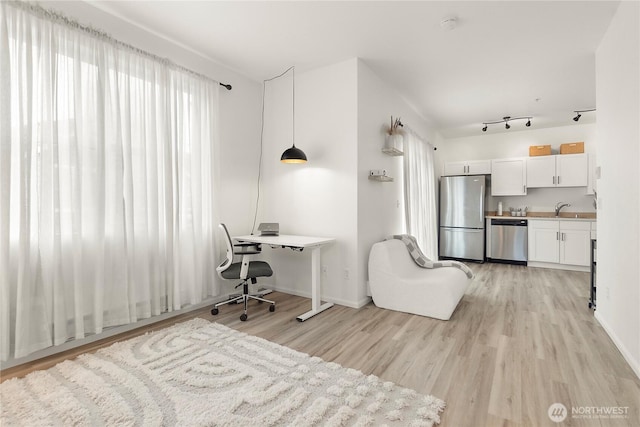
x,y
199,373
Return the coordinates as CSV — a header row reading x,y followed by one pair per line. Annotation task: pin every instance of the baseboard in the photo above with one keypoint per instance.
x,y
304,294
106,333
634,364
555,266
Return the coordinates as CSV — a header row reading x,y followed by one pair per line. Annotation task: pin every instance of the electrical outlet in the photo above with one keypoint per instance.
x,y
346,274
325,270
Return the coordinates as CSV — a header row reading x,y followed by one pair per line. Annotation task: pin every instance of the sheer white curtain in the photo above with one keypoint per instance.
x,y
106,183
420,193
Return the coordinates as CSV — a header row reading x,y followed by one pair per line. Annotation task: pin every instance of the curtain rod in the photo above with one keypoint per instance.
x,y
61,18
419,136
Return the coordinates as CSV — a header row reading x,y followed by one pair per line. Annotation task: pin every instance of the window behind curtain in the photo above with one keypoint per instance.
x,y
106,182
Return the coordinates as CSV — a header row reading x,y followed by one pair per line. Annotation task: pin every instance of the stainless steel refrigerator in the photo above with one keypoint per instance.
x,y
462,214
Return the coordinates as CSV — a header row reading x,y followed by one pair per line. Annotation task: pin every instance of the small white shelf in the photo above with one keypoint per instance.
x,y
380,178
392,152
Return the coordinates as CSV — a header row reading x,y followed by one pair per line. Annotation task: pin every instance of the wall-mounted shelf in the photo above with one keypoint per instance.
x,y
392,151
380,178
393,144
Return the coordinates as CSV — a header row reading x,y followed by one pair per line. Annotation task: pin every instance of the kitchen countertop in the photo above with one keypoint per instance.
x,y
571,216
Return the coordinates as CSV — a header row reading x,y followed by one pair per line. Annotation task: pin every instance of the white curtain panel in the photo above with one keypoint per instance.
x,y
420,193
106,183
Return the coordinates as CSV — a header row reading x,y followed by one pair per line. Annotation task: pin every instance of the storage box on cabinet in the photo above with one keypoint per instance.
x,y
572,148
539,150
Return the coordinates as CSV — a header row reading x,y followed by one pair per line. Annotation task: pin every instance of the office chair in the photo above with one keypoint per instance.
x,y
245,270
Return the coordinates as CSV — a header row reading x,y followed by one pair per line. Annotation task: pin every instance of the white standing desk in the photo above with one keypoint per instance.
x,y
300,242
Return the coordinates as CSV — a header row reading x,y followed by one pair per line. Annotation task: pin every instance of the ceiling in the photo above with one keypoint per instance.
x,y
515,58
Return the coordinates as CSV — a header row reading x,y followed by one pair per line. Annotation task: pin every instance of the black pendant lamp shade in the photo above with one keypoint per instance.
x,y
293,155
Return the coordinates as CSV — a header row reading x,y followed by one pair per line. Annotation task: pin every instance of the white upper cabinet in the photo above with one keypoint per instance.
x,y
467,167
508,177
564,170
572,170
541,171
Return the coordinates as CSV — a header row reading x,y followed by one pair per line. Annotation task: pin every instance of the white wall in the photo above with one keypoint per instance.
x,y
239,110
341,114
618,103
318,198
515,143
380,204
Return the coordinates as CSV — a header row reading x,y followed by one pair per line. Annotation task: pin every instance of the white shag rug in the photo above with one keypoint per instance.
x,y
199,373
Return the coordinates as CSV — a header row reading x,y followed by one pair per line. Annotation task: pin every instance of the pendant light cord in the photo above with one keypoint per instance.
x,y
293,104
264,87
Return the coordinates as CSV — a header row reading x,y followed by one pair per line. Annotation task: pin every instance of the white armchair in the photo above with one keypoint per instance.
x,y
398,283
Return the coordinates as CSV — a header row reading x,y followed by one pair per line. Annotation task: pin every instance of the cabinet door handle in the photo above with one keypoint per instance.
x,y
558,179
554,180
557,235
564,237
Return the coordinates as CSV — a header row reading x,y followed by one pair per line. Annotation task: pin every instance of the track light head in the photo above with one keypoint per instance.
x,y
484,129
578,115
507,125
528,124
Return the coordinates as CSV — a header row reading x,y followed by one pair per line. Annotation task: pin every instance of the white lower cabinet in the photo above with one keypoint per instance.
x,y
560,242
544,241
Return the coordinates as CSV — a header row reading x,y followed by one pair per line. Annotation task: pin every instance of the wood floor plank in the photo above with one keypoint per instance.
x,y
520,340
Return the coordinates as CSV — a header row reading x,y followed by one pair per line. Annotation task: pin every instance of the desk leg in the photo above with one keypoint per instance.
x,y
316,302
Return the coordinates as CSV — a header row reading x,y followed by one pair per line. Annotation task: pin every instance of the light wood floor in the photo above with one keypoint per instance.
x,y
520,340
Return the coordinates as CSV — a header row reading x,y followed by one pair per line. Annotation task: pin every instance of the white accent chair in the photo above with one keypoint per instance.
x,y
398,283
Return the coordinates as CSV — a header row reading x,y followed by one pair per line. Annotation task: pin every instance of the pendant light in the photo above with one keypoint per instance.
x,y
293,154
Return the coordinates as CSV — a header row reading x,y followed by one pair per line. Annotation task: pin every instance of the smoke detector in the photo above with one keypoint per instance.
x,y
449,23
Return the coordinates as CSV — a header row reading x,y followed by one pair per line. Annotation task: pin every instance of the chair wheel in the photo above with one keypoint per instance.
x,y
214,311
243,317
260,302
272,308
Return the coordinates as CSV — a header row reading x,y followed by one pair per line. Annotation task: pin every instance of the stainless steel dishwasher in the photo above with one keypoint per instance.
x,y
509,240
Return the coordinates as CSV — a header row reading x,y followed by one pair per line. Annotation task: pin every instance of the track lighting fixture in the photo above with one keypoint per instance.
x,y
506,120
576,118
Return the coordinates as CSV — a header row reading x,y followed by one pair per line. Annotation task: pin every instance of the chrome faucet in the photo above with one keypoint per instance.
x,y
559,206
